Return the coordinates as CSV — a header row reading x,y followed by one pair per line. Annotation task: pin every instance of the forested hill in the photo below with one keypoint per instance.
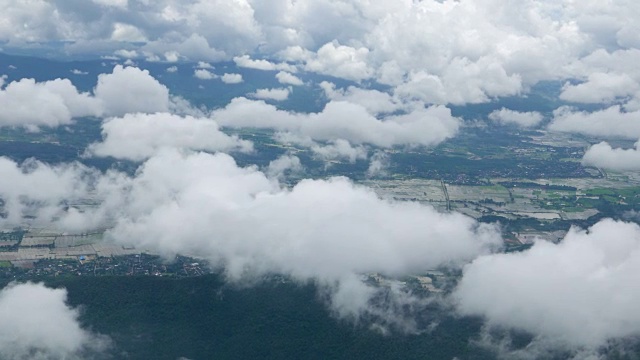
x,y
202,318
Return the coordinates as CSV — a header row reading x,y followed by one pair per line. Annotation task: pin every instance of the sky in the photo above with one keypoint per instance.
x,y
405,64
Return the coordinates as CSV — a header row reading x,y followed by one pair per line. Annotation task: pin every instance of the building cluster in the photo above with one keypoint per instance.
x,y
123,265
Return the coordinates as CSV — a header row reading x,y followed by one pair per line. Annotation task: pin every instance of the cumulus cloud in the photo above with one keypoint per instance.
x,y
600,88
378,165
375,101
232,78
522,119
602,155
193,46
345,120
27,103
286,78
261,64
113,3
327,230
576,292
139,136
485,53
607,123
38,190
40,325
283,165
204,65
605,76
339,150
341,61
204,74
280,94
129,89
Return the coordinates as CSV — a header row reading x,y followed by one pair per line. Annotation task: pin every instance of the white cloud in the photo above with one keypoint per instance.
x,y
286,78
127,54
139,136
27,103
602,155
204,74
339,150
491,53
328,231
38,190
193,47
341,61
280,94
577,292
42,325
172,69
283,165
232,78
113,3
261,64
607,123
74,72
204,65
127,33
378,165
376,102
344,120
129,89
523,119
600,88
324,230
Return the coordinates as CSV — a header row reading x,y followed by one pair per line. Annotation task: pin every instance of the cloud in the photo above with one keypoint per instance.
x,y
376,102
231,78
245,61
602,155
345,120
339,150
484,53
42,325
378,165
38,190
30,104
576,292
608,123
129,89
600,88
325,230
204,65
605,77
283,165
139,136
280,94
113,3
286,78
522,119
330,231
193,47
204,74
127,33
341,61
